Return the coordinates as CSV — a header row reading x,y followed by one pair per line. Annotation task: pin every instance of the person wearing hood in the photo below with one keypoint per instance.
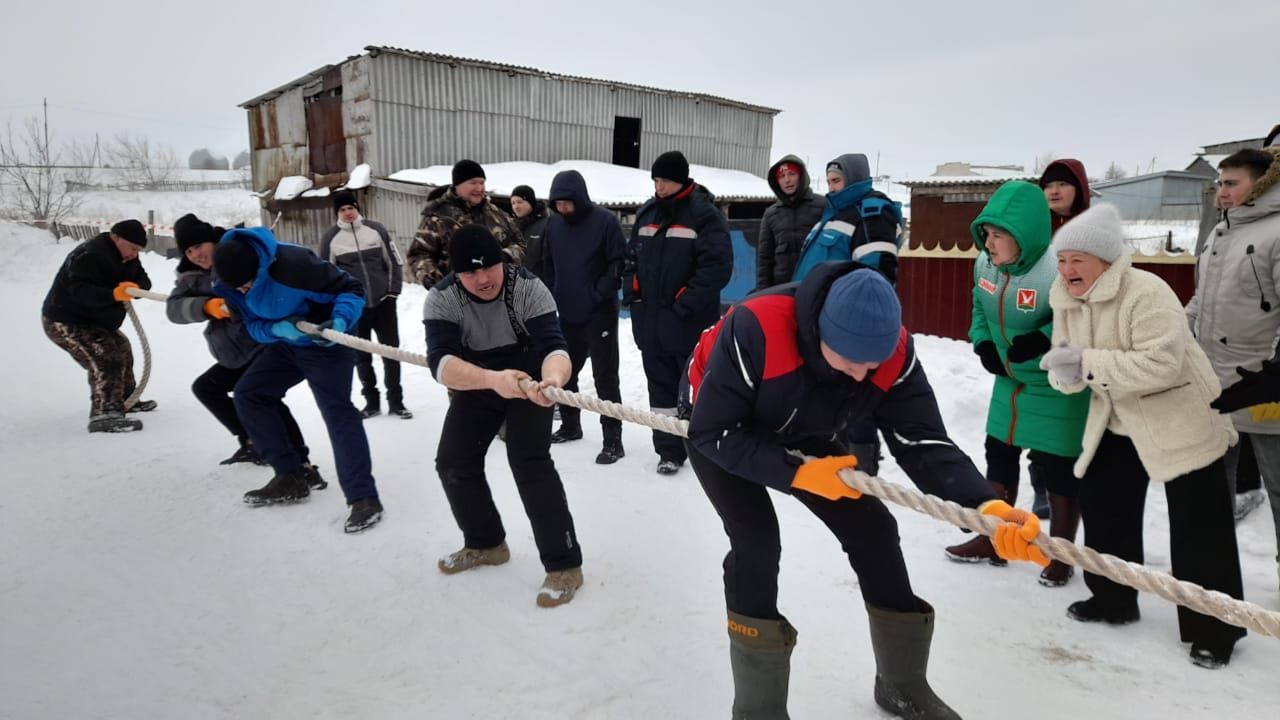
x,y
677,261
83,312
1066,187
193,301
1011,329
364,249
1120,333
449,208
858,222
531,216
767,394
272,286
583,247
786,222
1235,312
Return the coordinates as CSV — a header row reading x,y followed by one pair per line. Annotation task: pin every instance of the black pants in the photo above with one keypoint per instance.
x,y
213,389
1202,534
1048,471
470,425
663,375
867,532
598,339
383,321
1248,477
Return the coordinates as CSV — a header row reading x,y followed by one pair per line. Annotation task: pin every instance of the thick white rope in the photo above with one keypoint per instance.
x,y
132,400
1210,602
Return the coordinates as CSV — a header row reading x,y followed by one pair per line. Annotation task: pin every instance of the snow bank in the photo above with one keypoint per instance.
x,y
291,187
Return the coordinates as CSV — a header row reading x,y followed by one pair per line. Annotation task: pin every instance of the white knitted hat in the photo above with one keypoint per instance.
x,y
1095,231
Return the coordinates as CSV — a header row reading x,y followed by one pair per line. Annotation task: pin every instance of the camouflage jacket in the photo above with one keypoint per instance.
x,y
428,259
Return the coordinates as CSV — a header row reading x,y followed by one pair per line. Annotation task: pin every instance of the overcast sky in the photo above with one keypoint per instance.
x,y
920,83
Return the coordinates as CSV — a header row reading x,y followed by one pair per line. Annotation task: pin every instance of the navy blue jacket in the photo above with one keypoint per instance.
x,y
678,260
757,385
81,293
292,282
582,261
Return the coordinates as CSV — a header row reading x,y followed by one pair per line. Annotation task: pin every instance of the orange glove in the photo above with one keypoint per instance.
x,y
216,308
119,292
820,477
1013,539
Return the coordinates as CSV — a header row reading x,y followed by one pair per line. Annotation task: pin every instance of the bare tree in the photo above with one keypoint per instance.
x,y
1043,160
33,177
141,164
1114,172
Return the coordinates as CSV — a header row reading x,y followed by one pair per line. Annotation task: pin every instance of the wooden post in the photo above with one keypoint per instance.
x,y
151,228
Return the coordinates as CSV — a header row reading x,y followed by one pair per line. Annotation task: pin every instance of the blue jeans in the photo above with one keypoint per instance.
x,y
328,372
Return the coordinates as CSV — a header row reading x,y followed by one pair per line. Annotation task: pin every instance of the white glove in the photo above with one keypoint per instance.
x,y
1064,364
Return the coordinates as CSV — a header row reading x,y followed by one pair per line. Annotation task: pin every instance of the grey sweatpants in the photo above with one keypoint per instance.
x,y
1266,448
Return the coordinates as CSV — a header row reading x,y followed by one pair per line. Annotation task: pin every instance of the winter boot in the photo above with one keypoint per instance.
x,y
566,433
311,474
668,467
901,642
365,513
980,549
612,451
246,453
559,587
397,409
143,406
469,558
284,488
113,422
1062,524
372,407
760,656
1247,501
1094,610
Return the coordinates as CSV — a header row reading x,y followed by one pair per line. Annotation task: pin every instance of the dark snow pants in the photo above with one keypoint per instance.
x,y
596,339
105,354
383,321
867,532
327,371
1053,473
470,425
213,389
1202,532
663,375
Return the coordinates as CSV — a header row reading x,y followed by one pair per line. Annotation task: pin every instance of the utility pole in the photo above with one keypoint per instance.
x,y
46,131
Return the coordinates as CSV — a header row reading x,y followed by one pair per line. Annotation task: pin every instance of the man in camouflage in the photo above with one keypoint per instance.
x,y
462,203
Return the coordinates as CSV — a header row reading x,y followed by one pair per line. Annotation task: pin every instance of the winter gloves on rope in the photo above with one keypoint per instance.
x,y
1013,539
821,476
216,308
121,291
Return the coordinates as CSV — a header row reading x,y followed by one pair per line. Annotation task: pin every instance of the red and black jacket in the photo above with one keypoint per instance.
x,y
757,386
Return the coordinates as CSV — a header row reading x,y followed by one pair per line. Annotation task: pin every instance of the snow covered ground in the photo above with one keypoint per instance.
x,y
134,583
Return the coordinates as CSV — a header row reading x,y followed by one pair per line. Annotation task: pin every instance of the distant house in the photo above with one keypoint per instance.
x,y
1170,195
393,109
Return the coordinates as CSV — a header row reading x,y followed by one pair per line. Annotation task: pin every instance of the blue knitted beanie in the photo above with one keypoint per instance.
x,y
861,318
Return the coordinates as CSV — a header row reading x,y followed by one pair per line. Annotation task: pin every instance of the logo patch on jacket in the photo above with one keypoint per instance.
x,y
987,286
1027,299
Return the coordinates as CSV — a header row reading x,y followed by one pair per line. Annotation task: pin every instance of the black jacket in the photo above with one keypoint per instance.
x,y
678,260
583,253
81,291
784,227
533,226
757,385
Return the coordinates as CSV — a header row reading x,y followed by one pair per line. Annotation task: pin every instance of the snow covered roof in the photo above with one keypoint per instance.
x,y
994,179
607,184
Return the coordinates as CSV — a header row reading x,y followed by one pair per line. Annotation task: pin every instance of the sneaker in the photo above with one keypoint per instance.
x,y
365,513
399,411
611,453
143,406
246,453
285,488
469,558
668,467
1092,610
311,474
559,587
1209,657
372,408
976,550
566,434
1040,506
1247,501
113,422
1057,574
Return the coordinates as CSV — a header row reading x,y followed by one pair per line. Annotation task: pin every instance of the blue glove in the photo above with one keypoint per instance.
x,y
336,324
286,330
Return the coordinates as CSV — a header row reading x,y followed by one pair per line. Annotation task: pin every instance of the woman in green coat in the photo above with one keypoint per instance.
x,y
1011,329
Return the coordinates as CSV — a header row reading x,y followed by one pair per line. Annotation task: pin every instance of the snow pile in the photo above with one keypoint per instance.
x,y
361,177
607,184
220,207
1150,236
291,187
133,556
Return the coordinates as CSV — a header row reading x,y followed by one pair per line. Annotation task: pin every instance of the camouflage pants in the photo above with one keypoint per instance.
x,y
106,354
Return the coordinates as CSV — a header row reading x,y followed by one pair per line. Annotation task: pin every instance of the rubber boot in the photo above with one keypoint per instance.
x,y
901,642
760,655
980,549
1062,524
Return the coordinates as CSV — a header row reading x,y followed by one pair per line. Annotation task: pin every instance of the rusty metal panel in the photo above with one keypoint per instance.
x,y
936,295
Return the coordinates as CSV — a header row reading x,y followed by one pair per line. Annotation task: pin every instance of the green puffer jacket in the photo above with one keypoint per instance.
x,y
1010,301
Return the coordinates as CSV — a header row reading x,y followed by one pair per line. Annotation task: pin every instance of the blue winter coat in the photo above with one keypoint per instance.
x,y
292,283
858,224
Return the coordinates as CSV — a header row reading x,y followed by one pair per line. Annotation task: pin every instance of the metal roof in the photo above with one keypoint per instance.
x,y
374,50
950,180
1149,176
